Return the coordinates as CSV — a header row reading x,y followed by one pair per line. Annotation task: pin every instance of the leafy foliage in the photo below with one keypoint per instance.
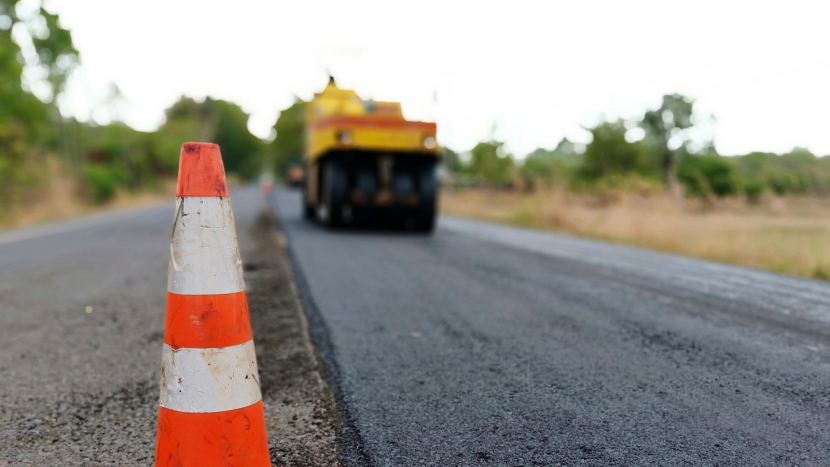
x,y
101,181
451,160
709,174
220,122
116,156
490,162
26,121
543,166
289,145
666,133
798,171
610,153
754,189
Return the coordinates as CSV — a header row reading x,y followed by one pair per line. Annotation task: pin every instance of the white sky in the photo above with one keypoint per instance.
x,y
538,70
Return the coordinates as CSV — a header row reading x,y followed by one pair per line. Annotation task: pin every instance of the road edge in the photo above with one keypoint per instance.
x,y
351,445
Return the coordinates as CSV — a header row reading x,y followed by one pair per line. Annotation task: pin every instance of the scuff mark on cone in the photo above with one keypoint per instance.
x,y
204,257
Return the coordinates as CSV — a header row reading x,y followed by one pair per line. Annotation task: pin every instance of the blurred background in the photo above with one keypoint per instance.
x,y
692,127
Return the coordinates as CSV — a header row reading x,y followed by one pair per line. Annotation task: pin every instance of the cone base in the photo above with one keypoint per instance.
x,y
235,437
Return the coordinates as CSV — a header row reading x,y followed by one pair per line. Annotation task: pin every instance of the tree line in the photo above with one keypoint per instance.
x,y
660,150
663,149
656,151
36,57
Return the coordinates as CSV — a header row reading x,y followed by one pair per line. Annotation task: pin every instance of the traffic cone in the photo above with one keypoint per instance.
x,y
210,410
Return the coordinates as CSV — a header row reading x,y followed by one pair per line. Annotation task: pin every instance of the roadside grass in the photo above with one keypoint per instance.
x,y
785,235
59,197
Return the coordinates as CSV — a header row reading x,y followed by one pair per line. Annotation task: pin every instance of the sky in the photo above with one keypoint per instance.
x,y
528,73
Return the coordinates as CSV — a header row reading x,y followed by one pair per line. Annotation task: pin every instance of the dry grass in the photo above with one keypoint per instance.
x,y
60,198
788,235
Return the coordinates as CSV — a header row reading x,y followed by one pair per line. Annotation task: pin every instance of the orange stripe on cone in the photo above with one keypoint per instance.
x,y
235,437
201,172
205,321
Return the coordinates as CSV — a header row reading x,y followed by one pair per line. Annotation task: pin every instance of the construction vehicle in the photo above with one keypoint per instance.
x,y
367,165
295,176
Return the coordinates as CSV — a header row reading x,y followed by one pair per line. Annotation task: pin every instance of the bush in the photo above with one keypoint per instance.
x,y
783,182
753,189
14,174
489,161
102,182
610,154
707,175
544,167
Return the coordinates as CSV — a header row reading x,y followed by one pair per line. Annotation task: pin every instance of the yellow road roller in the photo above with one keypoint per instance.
x,y
366,165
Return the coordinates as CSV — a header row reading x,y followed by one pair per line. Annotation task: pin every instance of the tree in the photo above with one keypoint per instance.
x,y
666,133
543,165
798,171
241,151
24,118
220,122
609,153
709,174
490,162
289,145
54,53
451,161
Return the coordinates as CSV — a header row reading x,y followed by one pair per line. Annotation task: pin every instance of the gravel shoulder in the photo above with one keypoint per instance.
x,y
300,411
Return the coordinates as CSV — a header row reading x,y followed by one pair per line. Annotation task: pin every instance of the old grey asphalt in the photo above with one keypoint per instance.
x,y
489,345
80,388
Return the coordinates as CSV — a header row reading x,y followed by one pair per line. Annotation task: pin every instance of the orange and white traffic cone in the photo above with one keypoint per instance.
x,y
210,410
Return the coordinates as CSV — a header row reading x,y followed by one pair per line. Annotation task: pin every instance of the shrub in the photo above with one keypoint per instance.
x,y
610,154
102,182
708,174
753,189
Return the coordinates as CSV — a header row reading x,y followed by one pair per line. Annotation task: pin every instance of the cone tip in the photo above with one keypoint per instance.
x,y
201,172
195,147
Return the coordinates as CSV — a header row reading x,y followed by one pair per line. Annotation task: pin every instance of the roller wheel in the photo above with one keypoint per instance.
x,y
308,210
334,193
428,186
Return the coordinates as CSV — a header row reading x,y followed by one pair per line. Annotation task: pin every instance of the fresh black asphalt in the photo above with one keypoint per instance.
x,y
490,345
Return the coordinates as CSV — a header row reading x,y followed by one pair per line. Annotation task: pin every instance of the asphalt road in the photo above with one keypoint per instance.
x,y
82,307
479,345
488,345
80,388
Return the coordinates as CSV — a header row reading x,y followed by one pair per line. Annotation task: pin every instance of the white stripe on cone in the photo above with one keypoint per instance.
x,y
204,257
209,380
